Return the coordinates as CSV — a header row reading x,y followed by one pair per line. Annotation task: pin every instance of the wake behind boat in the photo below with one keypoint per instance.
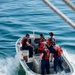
x,y
32,65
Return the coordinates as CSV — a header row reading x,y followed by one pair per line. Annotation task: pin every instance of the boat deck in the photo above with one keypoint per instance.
x,y
32,65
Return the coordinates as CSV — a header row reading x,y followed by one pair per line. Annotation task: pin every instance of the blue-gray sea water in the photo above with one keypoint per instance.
x,y
18,17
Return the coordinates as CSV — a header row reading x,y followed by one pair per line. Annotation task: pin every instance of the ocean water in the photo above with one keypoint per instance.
x,y
18,17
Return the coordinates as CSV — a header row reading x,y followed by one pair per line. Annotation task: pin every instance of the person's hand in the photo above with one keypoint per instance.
x,y
51,60
20,48
45,42
40,59
28,44
22,55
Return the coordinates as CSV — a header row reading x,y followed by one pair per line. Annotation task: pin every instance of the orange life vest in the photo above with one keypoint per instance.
x,y
42,39
59,51
24,41
50,40
47,54
41,46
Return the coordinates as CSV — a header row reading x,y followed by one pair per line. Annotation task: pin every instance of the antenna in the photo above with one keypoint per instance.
x,y
33,33
70,4
70,22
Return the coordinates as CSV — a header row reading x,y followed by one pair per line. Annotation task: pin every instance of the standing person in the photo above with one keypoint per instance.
x,y
41,44
42,38
44,57
52,36
26,44
57,57
50,40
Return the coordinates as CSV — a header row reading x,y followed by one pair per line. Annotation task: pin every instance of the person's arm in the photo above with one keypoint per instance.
x,y
61,50
27,42
24,57
22,41
41,55
54,38
52,56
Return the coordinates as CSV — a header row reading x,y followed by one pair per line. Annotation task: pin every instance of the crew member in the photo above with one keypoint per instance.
x,y
42,38
57,57
42,43
50,40
45,64
26,44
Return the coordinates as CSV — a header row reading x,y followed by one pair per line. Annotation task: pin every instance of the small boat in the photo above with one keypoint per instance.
x,y
32,65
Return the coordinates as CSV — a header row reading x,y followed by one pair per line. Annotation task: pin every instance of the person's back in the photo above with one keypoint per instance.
x,y
41,44
45,64
46,54
41,47
57,58
59,50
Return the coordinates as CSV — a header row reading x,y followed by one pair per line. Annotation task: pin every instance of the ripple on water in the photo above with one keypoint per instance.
x,y
18,17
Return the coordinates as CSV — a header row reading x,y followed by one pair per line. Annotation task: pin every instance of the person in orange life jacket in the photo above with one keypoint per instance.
x,y
57,57
41,44
52,38
42,38
26,44
44,57
49,42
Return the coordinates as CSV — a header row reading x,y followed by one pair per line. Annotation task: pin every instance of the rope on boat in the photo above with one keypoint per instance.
x,y
70,22
70,4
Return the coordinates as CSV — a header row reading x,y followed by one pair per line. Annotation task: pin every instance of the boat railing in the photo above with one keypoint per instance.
x,y
63,16
71,67
70,4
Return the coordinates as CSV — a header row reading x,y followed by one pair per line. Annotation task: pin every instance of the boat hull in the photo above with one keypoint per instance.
x,y
31,61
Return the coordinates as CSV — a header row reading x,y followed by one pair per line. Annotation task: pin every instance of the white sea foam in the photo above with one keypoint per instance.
x,y
9,66
71,58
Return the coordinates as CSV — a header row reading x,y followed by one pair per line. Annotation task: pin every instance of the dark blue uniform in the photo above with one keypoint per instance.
x,y
58,61
45,65
52,50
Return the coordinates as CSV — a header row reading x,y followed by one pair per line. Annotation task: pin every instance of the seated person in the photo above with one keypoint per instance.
x,y
26,44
